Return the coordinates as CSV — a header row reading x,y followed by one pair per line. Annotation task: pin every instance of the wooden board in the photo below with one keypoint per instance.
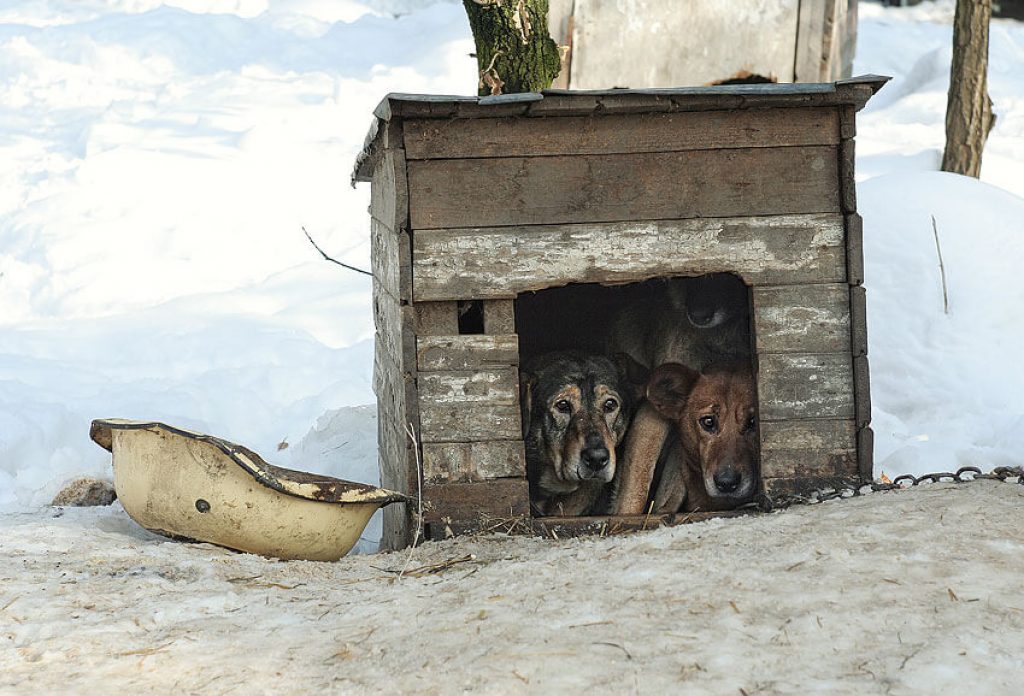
x,y
619,133
470,352
858,320
437,318
469,406
461,462
802,318
802,448
854,249
388,193
862,389
801,385
608,188
805,485
499,317
866,453
500,498
455,264
847,183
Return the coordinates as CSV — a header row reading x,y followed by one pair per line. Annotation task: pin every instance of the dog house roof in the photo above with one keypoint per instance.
x,y
556,102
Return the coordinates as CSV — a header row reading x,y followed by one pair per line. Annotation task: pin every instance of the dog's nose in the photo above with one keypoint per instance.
x,y
596,458
728,480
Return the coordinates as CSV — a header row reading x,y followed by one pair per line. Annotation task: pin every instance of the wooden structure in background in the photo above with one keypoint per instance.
x,y
476,200
652,43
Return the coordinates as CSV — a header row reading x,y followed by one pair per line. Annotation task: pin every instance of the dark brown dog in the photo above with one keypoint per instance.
x,y
576,409
712,462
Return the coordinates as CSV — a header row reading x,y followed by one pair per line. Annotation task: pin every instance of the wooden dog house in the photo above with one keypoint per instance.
x,y
478,200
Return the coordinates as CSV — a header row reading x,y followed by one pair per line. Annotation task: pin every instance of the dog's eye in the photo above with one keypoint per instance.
x,y
708,423
563,406
610,405
751,423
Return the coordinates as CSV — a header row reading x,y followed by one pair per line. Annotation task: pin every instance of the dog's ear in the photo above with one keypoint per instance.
x,y
634,375
669,388
527,381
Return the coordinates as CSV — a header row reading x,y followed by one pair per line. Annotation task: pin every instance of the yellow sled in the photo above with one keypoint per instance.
x,y
187,485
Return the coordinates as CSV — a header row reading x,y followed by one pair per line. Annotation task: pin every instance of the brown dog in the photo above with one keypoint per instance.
x,y
712,462
576,409
694,321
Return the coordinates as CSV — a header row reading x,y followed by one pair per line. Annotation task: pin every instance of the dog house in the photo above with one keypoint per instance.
x,y
479,201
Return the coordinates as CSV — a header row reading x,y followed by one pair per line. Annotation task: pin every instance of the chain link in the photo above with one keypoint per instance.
x,y
964,474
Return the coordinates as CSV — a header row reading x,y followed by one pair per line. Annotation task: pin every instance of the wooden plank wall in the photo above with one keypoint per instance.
x,y
394,370
501,206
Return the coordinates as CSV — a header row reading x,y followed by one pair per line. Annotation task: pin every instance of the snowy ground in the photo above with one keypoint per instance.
x,y
896,593
157,162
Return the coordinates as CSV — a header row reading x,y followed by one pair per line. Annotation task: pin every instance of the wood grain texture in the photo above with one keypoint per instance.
x,y
393,455
862,390
499,317
854,249
389,194
437,318
847,182
789,249
470,352
800,385
469,406
472,502
866,453
608,188
464,462
805,485
802,318
801,448
618,133
858,320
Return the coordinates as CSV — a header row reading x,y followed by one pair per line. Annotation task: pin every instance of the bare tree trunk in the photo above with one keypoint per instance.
x,y
969,115
514,51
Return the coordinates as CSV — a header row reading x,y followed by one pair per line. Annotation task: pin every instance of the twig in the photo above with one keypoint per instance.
x,y
942,267
411,432
328,258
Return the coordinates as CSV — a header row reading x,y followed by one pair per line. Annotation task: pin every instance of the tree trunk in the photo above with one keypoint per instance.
x,y
969,109
514,51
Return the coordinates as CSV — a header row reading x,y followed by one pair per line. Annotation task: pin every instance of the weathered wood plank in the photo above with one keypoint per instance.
x,y
466,352
608,188
854,249
775,488
500,498
469,406
560,527
499,317
470,387
463,462
389,195
847,121
866,453
453,264
858,320
464,422
847,183
862,389
387,315
619,133
802,318
386,260
799,385
802,448
392,453
437,318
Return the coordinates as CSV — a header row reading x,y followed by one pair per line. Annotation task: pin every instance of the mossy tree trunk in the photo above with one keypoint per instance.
x,y
514,51
969,109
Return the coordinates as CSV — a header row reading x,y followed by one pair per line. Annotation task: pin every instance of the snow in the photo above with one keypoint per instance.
x,y
158,160
874,595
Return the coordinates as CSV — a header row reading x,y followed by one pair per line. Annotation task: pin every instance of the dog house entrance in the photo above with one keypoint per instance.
x,y
590,354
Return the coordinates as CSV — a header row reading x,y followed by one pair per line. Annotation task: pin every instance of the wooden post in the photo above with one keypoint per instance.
x,y
514,51
969,109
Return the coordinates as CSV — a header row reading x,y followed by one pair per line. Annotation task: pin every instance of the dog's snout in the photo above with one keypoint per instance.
x,y
728,480
595,458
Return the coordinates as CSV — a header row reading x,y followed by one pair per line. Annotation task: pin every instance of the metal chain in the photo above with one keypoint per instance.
x,y
964,474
